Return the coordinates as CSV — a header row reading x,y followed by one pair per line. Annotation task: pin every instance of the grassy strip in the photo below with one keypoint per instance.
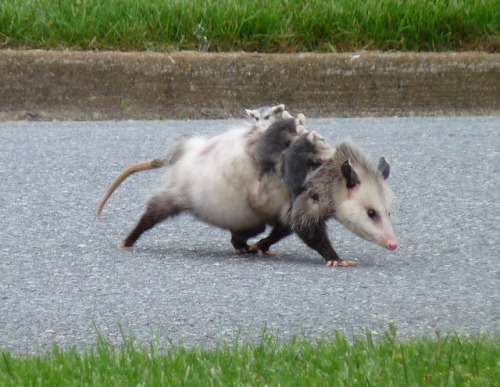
x,y
263,25
443,361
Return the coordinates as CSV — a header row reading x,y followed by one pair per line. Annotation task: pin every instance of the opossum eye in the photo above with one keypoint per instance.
x,y
371,214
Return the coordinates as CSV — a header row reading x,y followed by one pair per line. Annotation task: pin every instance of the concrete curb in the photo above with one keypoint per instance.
x,y
46,85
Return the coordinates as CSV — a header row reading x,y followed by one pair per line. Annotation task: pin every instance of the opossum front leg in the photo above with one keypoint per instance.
x,y
316,237
278,232
239,239
159,208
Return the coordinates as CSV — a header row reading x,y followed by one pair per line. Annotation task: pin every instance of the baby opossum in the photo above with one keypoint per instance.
x,y
306,153
214,180
261,125
273,142
266,113
300,120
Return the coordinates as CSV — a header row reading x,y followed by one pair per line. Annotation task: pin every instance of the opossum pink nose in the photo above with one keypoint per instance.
x,y
392,245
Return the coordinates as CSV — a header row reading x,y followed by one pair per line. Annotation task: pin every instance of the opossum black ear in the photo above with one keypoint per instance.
x,y
384,167
350,175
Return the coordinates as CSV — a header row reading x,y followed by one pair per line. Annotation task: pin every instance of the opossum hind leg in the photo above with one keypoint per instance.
x,y
159,208
239,239
262,247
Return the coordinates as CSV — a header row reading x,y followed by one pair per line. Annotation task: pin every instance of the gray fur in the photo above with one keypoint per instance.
x,y
304,155
273,142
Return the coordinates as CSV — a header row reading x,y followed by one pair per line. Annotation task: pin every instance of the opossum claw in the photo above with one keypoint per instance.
x,y
260,252
124,247
262,247
241,251
341,263
267,253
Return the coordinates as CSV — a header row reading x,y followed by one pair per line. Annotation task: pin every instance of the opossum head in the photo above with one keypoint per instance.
x,y
321,147
362,198
265,113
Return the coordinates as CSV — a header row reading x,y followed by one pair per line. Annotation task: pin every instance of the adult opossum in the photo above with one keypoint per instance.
x,y
215,180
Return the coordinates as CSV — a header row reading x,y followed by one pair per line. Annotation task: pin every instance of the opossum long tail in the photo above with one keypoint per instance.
x,y
169,159
138,167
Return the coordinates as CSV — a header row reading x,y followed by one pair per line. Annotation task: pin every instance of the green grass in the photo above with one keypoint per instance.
x,y
452,360
260,25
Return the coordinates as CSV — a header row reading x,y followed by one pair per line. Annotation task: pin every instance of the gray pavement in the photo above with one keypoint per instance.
x,y
62,275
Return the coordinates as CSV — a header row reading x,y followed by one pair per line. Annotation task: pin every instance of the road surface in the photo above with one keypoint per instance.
x,y
63,278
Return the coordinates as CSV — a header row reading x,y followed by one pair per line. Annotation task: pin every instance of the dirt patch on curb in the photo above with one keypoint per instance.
x,y
46,85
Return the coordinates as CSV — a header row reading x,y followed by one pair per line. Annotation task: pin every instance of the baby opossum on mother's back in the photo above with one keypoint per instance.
x,y
267,114
306,153
273,142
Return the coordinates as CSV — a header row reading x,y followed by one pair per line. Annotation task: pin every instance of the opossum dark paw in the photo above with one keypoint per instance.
x,y
260,252
341,263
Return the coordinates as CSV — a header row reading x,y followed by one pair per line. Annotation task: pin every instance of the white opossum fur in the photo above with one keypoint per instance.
x,y
223,162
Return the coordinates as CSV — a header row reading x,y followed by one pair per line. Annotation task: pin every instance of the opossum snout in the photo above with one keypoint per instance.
x,y
391,244
387,238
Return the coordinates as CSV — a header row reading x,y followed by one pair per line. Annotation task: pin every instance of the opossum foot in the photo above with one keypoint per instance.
x,y
341,263
260,252
124,247
267,253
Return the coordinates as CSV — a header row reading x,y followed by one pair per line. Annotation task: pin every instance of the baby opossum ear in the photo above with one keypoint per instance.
x,y
384,167
278,108
350,175
251,113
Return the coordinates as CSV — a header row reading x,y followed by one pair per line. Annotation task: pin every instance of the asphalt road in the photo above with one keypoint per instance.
x,y
62,275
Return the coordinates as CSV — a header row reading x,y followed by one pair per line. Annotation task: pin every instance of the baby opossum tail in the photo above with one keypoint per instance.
x,y
161,162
